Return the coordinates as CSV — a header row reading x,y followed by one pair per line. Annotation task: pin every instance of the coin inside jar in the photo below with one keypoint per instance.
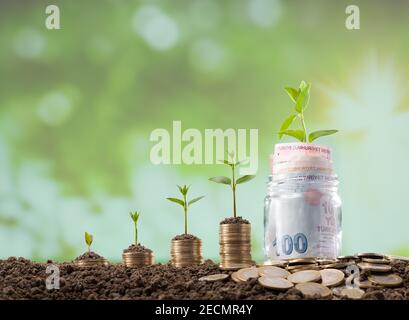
x,y
305,276
312,289
271,271
332,277
276,283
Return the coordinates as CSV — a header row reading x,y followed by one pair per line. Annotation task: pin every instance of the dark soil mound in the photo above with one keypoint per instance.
x,y
237,220
90,256
185,237
137,249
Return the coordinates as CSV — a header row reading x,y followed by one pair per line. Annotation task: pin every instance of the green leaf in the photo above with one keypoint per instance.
x,y
316,134
239,163
221,179
245,178
178,201
180,189
293,93
287,122
88,239
303,98
134,216
195,200
298,134
226,162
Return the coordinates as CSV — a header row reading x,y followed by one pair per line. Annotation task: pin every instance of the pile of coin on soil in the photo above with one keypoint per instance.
x,y
346,276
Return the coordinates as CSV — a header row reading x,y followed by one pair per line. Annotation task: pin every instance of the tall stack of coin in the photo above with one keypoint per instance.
x,y
235,245
186,252
138,259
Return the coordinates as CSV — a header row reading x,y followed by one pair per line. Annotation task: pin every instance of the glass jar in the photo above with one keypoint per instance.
x,y
302,216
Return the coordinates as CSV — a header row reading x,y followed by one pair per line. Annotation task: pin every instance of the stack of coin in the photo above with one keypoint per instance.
x,y
91,262
138,259
186,252
235,245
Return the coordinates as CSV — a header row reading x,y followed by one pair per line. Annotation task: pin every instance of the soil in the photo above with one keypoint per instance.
x,y
185,237
137,249
23,279
89,255
236,220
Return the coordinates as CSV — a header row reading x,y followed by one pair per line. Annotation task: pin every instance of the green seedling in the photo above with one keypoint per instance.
x,y
301,97
184,202
135,217
232,182
88,240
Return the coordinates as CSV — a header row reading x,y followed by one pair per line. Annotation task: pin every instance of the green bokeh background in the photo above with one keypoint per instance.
x,y
77,107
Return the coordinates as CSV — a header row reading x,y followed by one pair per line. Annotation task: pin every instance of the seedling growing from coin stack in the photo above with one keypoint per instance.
x,y
185,203
137,255
232,182
90,258
186,248
300,97
235,232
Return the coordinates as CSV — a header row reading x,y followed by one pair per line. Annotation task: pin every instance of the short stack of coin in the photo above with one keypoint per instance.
x,y
138,259
235,245
91,262
186,252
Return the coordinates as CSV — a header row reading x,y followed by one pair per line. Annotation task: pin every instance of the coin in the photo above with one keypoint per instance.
x,y
352,293
247,273
389,280
137,259
377,261
312,289
374,267
338,265
301,261
235,277
214,277
350,257
325,261
332,277
86,263
276,283
273,272
371,255
304,276
312,266
231,267
366,284
276,263
186,252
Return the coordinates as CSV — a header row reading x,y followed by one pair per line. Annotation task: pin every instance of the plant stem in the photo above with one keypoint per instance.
x,y
185,209
89,248
234,191
303,126
136,235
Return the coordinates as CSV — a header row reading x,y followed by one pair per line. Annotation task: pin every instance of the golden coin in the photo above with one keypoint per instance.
x,y
275,263
398,258
311,266
371,255
214,277
325,261
366,284
332,277
304,276
273,272
300,261
337,265
376,261
247,273
374,267
312,289
275,283
352,293
389,280
350,257
235,277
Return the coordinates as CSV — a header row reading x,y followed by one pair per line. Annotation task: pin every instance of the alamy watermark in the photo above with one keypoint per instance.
x,y
192,146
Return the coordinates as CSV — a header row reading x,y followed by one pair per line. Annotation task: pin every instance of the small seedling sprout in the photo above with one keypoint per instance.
x,y
88,240
135,217
185,203
301,97
233,164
